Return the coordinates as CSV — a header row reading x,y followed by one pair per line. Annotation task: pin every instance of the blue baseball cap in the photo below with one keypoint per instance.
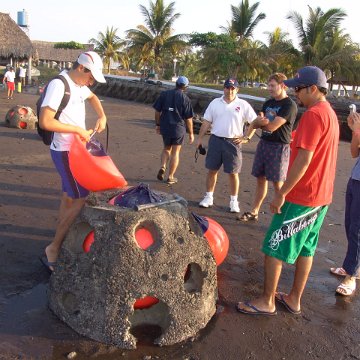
x,y
182,81
308,75
231,82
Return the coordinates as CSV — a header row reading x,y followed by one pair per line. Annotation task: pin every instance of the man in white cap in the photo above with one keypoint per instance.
x,y
85,71
301,204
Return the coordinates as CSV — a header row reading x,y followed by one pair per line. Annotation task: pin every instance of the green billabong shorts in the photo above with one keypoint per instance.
x,y
294,232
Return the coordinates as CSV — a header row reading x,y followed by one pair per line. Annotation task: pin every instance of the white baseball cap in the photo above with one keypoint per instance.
x,y
92,61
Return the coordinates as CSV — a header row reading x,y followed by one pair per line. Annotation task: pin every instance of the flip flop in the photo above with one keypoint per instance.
x,y
346,290
279,297
161,173
248,216
341,272
256,310
48,264
172,181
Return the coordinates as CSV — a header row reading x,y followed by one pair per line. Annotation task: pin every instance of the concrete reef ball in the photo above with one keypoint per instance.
x,y
156,255
21,117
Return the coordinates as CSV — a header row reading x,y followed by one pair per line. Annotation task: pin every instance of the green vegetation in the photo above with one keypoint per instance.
x,y
46,74
69,45
207,58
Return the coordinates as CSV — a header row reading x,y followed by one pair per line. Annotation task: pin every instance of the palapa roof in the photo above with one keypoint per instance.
x,y
45,50
13,41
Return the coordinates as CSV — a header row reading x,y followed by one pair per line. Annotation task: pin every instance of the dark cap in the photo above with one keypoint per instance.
x,y
182,81
308,75
231,82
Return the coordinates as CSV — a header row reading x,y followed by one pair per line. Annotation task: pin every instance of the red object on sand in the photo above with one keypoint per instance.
x,y
217,239
95,173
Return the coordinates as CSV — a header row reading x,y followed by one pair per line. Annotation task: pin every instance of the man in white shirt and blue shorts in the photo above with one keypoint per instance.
x,y
226,116
85,71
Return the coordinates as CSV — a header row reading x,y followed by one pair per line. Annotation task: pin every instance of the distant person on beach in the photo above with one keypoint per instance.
x,y
9,79
302,202
173,114
85,71
351,264
272,155
226,116
22,74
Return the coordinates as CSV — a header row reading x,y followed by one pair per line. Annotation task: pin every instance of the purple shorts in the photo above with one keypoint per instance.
x,y
69,184
271,160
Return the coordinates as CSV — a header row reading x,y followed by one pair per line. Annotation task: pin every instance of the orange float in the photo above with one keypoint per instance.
x,y
216,237
92,167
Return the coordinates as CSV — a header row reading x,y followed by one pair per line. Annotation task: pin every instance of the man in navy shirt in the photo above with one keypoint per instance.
x,y
173,114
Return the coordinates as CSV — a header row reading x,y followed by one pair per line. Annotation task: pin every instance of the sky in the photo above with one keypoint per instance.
x,y
66,20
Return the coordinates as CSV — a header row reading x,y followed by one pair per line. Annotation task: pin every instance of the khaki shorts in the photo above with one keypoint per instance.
x,y
294,232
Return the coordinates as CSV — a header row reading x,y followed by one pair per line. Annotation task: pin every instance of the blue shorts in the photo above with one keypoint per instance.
x,y
223,151
69,185
168,141
271,160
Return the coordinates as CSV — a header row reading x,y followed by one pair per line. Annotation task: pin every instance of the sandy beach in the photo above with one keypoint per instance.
x,y
328,327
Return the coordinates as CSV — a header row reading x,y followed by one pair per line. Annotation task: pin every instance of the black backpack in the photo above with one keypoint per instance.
x,y
46,135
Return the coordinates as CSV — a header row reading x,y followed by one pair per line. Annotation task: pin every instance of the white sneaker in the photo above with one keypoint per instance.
x,y
207,201
234,206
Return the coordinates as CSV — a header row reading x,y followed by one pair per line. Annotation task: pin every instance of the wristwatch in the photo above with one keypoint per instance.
x,y
246,138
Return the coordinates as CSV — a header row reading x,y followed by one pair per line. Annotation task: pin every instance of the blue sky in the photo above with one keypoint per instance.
x,y
67,20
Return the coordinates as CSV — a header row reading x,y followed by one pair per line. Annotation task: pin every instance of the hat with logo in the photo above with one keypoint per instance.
x,y
231,82
308,75
92,61
182,81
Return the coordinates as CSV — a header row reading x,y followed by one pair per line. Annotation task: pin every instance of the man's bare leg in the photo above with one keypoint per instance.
x,y
266,302
234,184
174,160
69,209
302,271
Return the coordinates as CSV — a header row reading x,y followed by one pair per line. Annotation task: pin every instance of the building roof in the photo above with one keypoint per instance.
x,y
45,50
13,41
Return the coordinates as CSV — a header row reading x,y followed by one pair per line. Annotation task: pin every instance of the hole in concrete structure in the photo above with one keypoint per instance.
x,y
148,324
75,239
23,125
23,111
180,240
194,278
70,303
147,236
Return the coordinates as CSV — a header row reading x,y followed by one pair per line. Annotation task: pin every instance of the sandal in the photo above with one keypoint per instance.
x,y
346,290
248,216
341,272
161,174
172,181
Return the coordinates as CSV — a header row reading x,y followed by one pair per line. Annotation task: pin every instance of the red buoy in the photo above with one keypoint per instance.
x,y
95,173
218,240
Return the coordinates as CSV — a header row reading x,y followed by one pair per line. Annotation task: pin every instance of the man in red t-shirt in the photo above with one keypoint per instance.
x,y
302,202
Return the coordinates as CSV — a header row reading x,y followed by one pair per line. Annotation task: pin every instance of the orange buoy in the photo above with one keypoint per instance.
x,y
94,170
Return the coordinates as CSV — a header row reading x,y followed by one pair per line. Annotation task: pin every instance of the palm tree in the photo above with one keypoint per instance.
x,y
318,26
281,54
108,45
244,19
151,42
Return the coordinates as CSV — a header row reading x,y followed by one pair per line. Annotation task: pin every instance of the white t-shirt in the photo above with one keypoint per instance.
x,y
228,120
10,76
73,113
22,71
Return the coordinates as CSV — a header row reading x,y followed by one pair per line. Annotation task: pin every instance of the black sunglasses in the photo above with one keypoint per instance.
x,y
298,88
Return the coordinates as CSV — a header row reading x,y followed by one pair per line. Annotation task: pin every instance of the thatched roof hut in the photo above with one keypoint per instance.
x,y
45,51
14,43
